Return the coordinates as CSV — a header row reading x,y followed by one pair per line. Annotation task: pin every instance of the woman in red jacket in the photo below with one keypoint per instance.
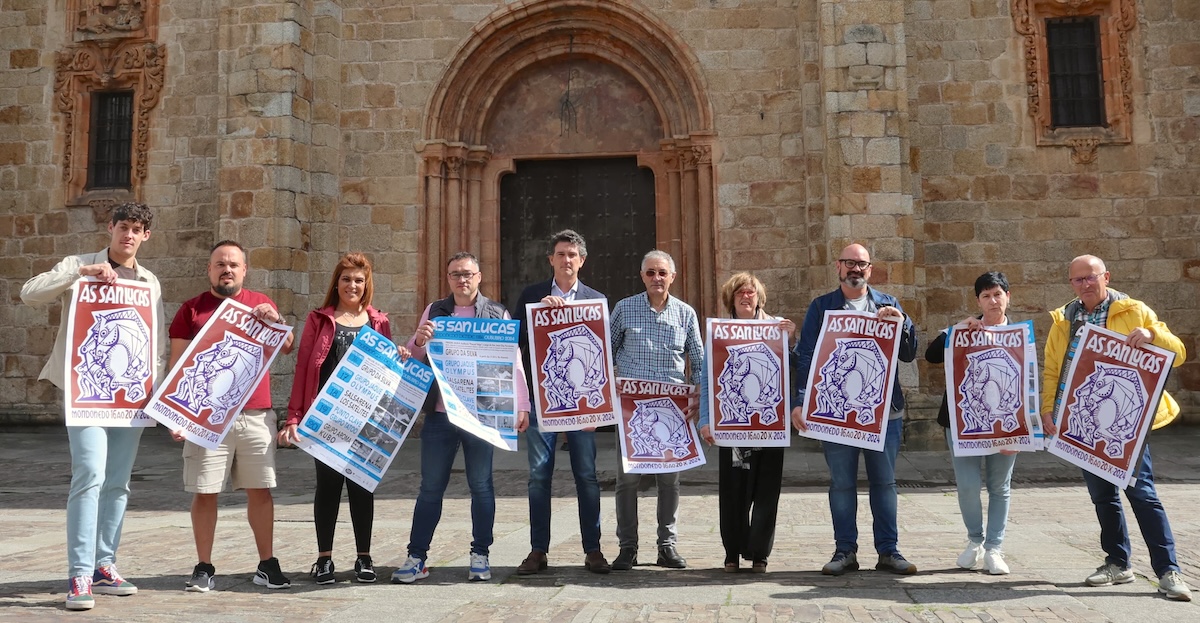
x,y
328,333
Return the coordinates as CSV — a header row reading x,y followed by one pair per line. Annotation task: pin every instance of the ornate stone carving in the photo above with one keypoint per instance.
x,y
1117,21
1083,150
112,20
87,67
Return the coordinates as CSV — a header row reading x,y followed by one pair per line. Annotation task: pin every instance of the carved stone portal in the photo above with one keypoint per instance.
x,y
587,47
88,67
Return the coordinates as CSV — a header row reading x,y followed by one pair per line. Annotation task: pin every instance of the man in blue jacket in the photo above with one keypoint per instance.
x,y
854,270
567,253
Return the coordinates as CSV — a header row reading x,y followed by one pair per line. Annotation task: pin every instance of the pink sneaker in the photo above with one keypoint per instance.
x,y
106,581
79,593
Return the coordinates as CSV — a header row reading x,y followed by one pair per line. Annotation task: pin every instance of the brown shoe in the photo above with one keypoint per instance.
x,y
533,563
596,563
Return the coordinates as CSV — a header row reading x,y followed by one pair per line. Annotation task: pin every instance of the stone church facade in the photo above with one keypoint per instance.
x,y
755,135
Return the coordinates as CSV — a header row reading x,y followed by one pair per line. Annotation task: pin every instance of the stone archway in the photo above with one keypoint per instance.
x,y
460,172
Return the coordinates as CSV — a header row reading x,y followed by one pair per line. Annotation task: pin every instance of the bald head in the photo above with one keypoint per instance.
x,y
1091,261
854,269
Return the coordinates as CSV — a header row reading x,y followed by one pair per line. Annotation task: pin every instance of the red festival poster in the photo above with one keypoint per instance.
x,y
573,383
656,436
112,353
1108,403
747,380
991,394
213,380
849,387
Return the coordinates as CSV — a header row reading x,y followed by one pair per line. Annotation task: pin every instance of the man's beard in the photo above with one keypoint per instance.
x,y
854,281
228,290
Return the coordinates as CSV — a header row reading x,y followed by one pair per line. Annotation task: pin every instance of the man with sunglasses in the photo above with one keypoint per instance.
x,y
1097,304
854,270
440,438
654,335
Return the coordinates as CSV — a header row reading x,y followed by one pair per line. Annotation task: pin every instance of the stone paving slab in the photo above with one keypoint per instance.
x,y
1052,544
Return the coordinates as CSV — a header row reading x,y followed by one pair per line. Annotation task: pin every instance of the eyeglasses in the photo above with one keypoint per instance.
x,y
859,264
1090,279
462,275
656,273
747,293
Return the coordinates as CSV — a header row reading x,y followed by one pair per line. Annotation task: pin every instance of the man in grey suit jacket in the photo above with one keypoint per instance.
x,y
567,253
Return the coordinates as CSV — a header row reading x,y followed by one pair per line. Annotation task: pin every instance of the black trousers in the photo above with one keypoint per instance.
x,y
749,503
327,500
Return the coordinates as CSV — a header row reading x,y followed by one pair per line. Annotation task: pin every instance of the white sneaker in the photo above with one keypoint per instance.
x,y
480,570
1172,585
993,561
412,570
971,556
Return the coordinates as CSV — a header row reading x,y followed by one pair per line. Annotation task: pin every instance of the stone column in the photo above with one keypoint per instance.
x,y
869,196
265,139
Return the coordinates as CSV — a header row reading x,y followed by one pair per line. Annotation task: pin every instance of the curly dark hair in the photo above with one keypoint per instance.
x,y
133,211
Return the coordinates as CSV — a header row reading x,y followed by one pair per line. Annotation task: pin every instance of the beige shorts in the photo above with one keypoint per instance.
x,y
245,459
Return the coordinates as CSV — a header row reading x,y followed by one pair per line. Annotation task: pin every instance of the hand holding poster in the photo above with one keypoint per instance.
x,y
573,383
849,388
656,436
211,383
1109,399
991,389
112,353
747,377
363,414
475,366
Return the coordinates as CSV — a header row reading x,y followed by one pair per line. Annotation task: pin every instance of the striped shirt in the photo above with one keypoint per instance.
x,y
652,345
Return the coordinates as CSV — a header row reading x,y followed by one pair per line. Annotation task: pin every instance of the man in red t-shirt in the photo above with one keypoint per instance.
x,y
247,455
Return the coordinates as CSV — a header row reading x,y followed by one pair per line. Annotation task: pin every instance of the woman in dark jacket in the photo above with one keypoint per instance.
x,y
749,478
972,473
328,333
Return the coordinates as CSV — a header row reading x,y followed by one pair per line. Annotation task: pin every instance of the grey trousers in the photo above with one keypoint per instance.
x,y
627,516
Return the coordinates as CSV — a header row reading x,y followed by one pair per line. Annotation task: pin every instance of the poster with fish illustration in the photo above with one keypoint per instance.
x,y
114,343
571,362
211,383
747,380
992,390
849,388
1108,404
655,435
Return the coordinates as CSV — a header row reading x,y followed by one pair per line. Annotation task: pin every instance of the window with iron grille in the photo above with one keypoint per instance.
x,y
111,148
1076,78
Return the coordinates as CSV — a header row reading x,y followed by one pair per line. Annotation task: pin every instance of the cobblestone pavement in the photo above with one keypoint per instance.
x,y
1052,544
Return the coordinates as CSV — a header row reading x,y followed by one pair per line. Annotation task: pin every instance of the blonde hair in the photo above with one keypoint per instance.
x,y
737,282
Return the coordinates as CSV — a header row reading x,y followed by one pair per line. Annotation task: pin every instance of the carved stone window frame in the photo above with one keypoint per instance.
x,y
1117,19
90,67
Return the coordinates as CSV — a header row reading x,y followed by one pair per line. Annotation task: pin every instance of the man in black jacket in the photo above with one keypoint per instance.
x,y
567,253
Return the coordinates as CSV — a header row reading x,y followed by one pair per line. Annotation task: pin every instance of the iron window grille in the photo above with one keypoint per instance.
x,y
1076,77
111,140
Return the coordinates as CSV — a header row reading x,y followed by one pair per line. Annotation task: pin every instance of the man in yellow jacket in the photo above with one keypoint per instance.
x,y
1099,305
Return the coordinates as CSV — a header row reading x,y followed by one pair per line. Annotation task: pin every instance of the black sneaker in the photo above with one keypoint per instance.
x,y
269,574
202,578
363,570
322,570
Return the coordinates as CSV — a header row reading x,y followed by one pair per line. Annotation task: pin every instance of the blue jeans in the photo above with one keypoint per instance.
x,y
439,445
582,448
1151,518
101,461
970,472
843,491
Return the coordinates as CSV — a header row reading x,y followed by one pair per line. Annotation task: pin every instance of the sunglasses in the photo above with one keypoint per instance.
x,y
656,273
